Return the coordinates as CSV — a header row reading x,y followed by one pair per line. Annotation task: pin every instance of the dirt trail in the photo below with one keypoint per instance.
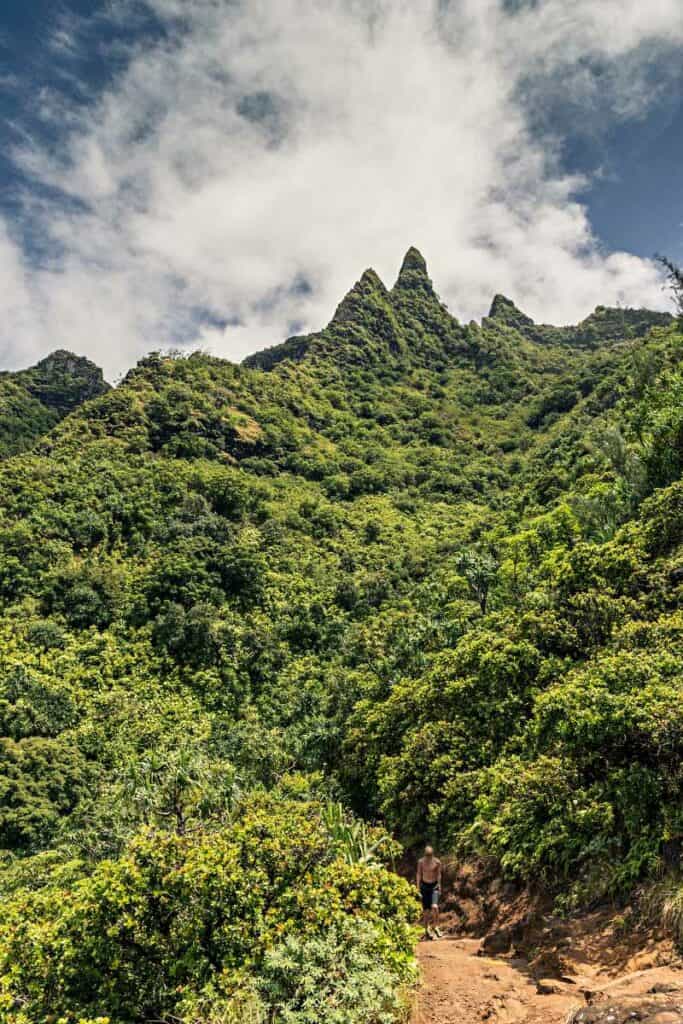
x,y
530,966
461,987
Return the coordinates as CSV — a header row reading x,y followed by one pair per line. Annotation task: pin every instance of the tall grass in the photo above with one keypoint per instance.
x,y
672,912
663,905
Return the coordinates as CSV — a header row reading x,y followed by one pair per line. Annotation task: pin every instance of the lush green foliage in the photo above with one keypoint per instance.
x,y
33,401
181,924
426,572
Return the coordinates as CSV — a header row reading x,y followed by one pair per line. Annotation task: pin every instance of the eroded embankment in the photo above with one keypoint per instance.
x,y
506,958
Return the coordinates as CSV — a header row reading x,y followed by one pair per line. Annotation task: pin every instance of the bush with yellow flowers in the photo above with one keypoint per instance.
x,y
178,919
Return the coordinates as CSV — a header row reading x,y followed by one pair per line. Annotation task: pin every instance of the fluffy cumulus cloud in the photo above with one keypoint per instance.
x,y
231,183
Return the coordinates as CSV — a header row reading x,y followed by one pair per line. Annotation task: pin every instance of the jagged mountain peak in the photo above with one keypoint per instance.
x,y
605,325
368,290
63,380
504,311
32,401
411,324
371,279
414,260
413,273
62,358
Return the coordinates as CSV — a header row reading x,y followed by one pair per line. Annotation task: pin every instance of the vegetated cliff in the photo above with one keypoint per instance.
x,y
33,401
429,568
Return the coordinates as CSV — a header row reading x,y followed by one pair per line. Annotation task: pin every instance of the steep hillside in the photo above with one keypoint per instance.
x,y
33,401
431,570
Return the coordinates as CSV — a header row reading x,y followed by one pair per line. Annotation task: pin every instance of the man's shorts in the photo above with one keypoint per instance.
x,y
429,891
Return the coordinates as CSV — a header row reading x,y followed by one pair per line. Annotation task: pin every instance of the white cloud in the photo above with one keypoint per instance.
x,y
259,145
20,335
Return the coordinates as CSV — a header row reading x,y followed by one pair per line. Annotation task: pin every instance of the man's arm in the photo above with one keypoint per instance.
x,y
418,879
438,877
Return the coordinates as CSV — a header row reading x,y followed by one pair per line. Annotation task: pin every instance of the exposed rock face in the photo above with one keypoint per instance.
x,y
549,964
62,381
647,1011
499,941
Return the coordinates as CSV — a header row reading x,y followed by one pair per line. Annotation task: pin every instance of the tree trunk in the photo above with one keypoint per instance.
x,y
671,855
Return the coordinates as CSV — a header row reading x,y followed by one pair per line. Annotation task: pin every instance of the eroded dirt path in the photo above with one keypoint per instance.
x,y
531,966
462,987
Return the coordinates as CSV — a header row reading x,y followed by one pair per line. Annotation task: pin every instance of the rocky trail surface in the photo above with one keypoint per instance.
x,y
507,958
462,986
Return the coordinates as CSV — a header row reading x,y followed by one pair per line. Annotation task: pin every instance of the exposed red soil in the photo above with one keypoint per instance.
x,y
506,958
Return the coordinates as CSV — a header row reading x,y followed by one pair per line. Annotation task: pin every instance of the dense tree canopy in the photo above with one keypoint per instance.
x,y
430,570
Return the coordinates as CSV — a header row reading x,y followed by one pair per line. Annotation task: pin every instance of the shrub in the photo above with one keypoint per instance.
x,y
339,975
181,920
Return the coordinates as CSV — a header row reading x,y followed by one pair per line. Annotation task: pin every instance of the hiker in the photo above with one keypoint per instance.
x,y
429,885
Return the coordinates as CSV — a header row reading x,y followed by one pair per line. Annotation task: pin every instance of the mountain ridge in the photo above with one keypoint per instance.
x,y
369,298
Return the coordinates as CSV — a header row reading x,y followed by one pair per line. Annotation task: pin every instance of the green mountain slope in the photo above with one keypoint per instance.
x,y
33,401
429,569
603,325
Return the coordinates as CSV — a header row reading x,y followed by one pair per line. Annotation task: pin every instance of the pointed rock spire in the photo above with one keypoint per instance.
x,y
504,311
413,274
368,290
364,327
371,281
414,261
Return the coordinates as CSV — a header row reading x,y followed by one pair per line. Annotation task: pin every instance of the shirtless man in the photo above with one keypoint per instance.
x,y
429,886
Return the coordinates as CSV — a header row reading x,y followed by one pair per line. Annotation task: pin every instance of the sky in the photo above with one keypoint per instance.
x,y
216,174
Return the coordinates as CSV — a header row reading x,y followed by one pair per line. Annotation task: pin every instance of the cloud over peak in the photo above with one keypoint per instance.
x,y
252,157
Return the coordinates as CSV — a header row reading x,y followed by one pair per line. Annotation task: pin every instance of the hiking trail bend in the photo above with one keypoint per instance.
x,y
461,987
